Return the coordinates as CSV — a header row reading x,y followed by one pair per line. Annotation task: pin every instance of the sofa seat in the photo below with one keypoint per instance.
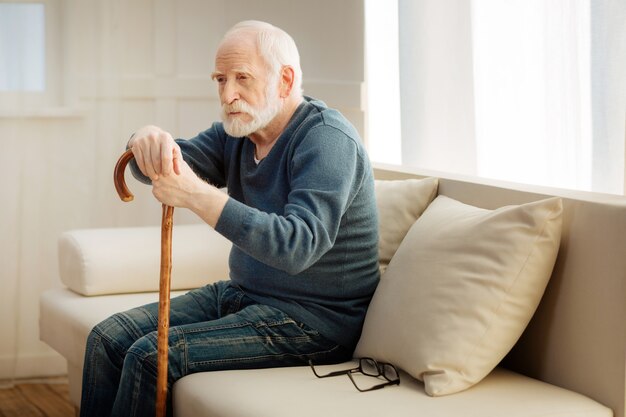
x,y
67,318
288,392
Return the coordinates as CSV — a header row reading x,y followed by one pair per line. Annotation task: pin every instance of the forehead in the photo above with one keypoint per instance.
x,y
236,53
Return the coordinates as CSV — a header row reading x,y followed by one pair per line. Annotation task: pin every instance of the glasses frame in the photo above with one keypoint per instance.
x,y
380,371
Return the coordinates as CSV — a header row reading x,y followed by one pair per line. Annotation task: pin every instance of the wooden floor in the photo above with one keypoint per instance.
x,y
42,398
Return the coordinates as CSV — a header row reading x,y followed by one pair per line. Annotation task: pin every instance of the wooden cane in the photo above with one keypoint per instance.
x,y
164,282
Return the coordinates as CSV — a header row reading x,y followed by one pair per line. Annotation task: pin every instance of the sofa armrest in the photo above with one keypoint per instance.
x,y
127,260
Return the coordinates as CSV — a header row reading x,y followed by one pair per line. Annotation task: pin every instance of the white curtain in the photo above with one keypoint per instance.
x,y
436,85
532,91
22,77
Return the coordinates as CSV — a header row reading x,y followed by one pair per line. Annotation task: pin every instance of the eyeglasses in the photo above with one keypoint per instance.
x,y
369,367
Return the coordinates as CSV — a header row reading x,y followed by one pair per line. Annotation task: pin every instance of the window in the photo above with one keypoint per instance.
x,y
22,47
383,84
521,90
30,56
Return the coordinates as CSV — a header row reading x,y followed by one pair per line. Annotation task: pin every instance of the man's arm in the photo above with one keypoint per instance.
x,y
174,183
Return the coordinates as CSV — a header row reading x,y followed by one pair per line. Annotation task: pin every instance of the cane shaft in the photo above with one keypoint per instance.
x,y
164,283
164,309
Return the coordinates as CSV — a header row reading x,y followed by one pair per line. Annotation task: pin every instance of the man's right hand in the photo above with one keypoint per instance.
x,y
156,152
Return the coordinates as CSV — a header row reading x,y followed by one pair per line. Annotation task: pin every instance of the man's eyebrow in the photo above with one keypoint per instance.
x,y
239,70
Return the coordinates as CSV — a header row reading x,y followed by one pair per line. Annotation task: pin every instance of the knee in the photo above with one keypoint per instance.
x,y
109,326
113,332
101,332
143,353
146,345
142,357
104,345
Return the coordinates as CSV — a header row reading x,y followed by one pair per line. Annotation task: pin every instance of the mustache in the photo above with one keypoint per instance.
x,y
238,106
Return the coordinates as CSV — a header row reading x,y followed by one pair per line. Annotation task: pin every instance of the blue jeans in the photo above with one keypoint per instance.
x,y
212,328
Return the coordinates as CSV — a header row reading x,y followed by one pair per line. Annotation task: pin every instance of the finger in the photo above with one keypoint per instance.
x,y
148,166
139,158
155,156
167,157
177,159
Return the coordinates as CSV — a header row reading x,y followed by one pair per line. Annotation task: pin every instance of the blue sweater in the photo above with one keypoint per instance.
x,y
303,222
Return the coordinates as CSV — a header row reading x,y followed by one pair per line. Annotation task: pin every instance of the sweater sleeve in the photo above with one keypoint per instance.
x,y
325,172
205,154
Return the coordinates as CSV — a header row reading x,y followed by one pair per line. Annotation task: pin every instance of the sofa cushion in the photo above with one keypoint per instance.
x,y
399,204
460,290
66,318
288,392
97,261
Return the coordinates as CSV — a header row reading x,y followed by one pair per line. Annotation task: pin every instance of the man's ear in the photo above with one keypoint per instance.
x,y
287,78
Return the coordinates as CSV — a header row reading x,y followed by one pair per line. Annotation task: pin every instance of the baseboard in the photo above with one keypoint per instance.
x,y
32,366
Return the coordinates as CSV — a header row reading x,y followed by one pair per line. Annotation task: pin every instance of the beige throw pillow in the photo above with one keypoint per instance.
x,y
460,290
400,203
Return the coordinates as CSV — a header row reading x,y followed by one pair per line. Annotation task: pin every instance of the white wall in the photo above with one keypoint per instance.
x,y
126,64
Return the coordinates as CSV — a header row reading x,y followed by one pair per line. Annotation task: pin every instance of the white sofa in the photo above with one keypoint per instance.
x,y
570,360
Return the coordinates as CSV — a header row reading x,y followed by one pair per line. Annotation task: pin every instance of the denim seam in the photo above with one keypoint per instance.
x,y
219,327
259,357
246,339
256,325
93,363
137,389
184,351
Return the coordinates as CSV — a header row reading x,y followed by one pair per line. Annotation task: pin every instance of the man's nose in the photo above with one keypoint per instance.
x,y
230,92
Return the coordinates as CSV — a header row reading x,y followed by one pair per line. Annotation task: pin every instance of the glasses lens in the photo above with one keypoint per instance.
x,y
369,367
390,372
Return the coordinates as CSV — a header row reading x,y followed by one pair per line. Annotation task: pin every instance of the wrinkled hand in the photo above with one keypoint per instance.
x,y
178,188
186,189
156,152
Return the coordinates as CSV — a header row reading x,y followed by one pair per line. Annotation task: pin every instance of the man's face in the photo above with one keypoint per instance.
x,y
249,95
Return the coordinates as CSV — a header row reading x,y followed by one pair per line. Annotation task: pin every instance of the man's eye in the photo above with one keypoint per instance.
x,y
242,77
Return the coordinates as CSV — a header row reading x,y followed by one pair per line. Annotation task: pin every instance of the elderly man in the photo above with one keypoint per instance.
x,y
300,212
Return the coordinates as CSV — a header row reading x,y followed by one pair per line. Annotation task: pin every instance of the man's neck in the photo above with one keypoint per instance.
x,y
265,138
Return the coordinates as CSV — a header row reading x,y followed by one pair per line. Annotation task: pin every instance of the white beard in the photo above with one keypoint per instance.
x,y
260,118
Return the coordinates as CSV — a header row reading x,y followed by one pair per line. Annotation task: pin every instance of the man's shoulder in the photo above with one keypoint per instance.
x,y
323,114
320,116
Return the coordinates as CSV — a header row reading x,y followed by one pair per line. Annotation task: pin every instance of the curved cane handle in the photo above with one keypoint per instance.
x,y
118,176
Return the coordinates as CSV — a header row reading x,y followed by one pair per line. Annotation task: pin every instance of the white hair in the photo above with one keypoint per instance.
x,y
276,47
